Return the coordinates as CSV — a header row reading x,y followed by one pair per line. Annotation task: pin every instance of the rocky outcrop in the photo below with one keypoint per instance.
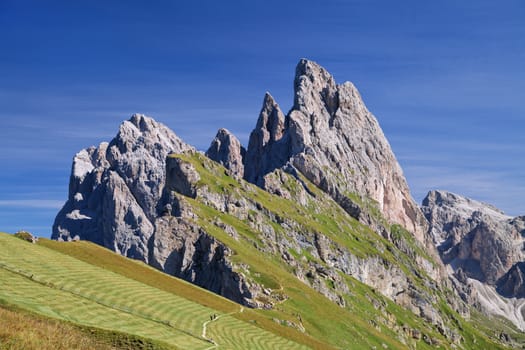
x,y
115,188
226,149
267,150
331,138
181,177
123,195
475,237
26,236
484,251
181,248
512,284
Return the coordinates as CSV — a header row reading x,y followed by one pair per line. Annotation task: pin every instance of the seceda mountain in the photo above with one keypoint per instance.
x,y
335,207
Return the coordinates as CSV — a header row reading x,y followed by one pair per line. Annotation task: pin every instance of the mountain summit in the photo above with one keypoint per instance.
x,y
332,139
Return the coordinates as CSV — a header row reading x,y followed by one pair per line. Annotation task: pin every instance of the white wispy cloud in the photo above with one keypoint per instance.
x,y
32,203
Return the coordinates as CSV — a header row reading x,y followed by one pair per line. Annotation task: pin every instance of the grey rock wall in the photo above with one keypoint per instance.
x,y
475,237
226,149
331,138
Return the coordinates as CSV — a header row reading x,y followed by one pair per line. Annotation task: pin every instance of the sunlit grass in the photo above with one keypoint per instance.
x,y
56,285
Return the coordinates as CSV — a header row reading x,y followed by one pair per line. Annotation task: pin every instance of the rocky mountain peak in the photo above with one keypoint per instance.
x,y
142,122
122,195
335,142
314,87
226,149
473,236
115,187
443,208
445,198
266,148
142,132
271,120
483,249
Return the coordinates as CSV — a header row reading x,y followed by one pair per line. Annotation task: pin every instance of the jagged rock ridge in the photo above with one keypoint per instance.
x,y
482,247
114,188
475,237
331,138
226,149
118,199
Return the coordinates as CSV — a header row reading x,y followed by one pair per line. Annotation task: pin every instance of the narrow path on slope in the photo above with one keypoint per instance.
x,y
215,318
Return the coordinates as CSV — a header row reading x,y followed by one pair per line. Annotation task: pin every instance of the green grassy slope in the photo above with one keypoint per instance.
x,y
59,286
323,319
369,319
101,257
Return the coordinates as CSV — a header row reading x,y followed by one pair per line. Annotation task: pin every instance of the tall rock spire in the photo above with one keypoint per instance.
x,y
314,87
336,143
267,150
227,150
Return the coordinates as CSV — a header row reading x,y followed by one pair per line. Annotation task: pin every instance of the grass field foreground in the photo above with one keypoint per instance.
x,y
25,330
22,331
56,285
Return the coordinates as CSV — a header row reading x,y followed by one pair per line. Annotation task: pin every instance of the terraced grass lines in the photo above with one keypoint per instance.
x,y
108,289
101,257
227,329
25,293
60,286
98,256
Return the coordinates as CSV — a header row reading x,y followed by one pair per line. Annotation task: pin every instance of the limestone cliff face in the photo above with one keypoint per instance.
x,y
331,138
483,249
150,196
475,237
125,194
183,249
267,150
512,284
114,188
329,259
120,196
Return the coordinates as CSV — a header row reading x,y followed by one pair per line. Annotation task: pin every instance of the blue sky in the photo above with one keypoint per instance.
x,y
445,79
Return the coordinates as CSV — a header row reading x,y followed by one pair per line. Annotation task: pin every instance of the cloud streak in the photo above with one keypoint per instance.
x,y
31,203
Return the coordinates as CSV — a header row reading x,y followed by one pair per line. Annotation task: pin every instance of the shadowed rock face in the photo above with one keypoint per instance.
x,y
115,188
180,248
477,238
267,150
512,284
484,251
